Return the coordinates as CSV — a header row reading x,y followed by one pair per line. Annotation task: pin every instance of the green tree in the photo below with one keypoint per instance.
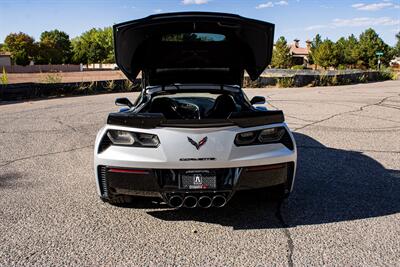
x,y
325,54
22,47
79,50
315,43
369,44
281,57
397,46
54,47
94,46
347,51
107,37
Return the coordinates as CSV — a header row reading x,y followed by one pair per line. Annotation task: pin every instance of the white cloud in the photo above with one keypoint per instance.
x,y
265,5
158,10
358,5
272,4
195,2
365,22
127,7
282,3
373,6
316,27
356,22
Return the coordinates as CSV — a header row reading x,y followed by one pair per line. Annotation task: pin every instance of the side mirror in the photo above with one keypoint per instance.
x,y
257,100
123,101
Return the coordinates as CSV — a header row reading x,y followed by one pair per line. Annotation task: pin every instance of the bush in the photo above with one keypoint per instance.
x,y
333,80
387,74
128,85
4,77
87,88
299,67
110,85
285,82
363,78
322,79
52,78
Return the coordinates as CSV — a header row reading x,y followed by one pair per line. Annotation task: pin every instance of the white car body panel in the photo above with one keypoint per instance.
x,y
174,146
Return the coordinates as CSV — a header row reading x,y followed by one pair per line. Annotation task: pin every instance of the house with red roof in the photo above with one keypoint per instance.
x,y
300,54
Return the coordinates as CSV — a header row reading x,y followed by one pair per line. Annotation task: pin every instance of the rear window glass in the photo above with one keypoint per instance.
x,y
193,37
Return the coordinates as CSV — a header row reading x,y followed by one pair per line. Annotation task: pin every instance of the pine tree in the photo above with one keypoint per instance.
x,y
281,57
325,54
397,47
316,42
370,43
347,51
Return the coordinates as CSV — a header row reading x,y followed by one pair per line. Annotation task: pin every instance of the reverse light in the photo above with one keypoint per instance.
x,y
271,135
121,137
246,138
148,140
126,138
259,137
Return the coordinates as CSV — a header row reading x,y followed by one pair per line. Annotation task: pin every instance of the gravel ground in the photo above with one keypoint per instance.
x,y
344,210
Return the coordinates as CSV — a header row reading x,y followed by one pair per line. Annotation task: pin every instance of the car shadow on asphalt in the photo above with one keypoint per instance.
x,y
9,179
332,185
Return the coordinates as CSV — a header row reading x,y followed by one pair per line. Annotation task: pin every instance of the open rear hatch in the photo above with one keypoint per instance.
x,y
193,47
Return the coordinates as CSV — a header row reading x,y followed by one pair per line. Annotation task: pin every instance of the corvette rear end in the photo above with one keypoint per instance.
x,y
192,137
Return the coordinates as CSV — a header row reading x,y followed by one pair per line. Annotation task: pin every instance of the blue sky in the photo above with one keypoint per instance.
x,y
293,18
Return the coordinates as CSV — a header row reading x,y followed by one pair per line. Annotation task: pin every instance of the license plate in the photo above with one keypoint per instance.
x,y
198,179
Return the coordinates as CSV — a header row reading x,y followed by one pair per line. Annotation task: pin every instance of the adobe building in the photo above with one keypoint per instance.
x,y
300,54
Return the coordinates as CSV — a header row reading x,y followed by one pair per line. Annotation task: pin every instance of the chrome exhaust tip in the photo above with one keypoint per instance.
x,y
218,201
190,202
175,201
204,202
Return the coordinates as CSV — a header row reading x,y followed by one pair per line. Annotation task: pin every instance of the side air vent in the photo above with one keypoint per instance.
x,y
287,141
103,181
290,173
104,143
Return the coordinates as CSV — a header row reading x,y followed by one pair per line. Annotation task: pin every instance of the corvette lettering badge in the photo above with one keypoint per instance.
x,y
199,144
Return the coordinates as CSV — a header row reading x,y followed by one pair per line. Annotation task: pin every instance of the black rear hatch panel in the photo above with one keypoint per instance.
x,y
146,45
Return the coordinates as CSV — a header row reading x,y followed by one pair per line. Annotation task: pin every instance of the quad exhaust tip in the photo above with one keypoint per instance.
x,y
204,202
175,201
218,201
190,202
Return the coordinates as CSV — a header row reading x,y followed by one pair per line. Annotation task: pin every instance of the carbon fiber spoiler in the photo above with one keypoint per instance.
x,y
153,120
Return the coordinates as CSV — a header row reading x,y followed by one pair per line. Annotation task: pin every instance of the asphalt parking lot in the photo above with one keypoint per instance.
x,y
345,209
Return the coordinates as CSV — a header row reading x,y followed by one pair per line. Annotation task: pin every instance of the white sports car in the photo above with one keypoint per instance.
x,y
192,137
